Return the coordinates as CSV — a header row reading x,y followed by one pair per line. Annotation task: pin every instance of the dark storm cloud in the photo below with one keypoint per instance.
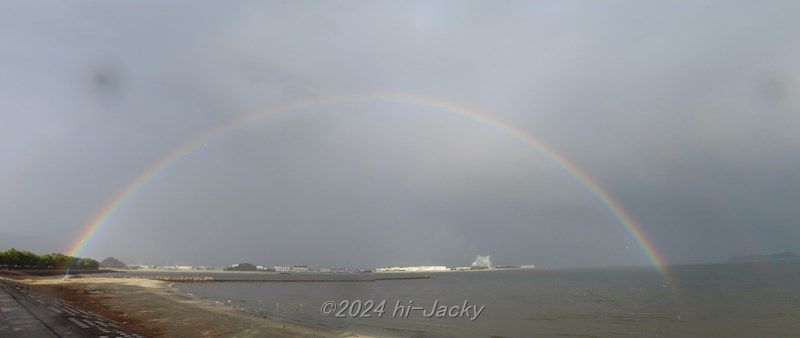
x,y
685,112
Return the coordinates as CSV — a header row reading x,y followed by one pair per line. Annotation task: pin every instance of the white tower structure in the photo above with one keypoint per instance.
x,y
483,262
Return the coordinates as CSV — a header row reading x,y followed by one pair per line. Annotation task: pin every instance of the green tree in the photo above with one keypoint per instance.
x,y
28,259
87,264
14,259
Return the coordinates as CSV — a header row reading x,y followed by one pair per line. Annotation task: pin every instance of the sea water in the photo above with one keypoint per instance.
x,y
713,300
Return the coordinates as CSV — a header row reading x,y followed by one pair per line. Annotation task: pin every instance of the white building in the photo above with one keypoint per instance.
x,y
299,268
422,268
482,262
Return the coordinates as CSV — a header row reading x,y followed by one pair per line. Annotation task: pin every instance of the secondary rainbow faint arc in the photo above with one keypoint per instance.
x,y
109,209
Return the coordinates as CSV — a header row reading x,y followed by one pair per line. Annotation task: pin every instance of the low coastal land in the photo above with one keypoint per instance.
x,y
150,308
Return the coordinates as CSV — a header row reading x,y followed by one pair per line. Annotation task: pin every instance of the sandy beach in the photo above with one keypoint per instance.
x,y
149,307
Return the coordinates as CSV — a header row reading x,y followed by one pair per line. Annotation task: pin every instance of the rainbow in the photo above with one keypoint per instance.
x,y
105,214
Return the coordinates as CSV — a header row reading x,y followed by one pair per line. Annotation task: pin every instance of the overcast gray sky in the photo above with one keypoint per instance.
x,y
686,112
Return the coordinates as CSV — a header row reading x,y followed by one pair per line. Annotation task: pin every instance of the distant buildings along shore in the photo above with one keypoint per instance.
x,y
480,263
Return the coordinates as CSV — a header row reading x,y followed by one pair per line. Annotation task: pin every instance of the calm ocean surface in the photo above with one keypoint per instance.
x,y
714,300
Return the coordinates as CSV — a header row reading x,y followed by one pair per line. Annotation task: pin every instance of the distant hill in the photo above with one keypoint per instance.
x,y
774,257
112,262
242,267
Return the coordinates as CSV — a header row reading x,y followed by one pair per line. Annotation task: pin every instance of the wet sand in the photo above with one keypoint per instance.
x,y
150,308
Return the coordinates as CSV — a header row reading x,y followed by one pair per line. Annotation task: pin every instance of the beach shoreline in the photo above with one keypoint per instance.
x,y
153,309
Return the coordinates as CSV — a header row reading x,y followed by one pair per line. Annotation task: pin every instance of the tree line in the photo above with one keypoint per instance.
x,y
16,259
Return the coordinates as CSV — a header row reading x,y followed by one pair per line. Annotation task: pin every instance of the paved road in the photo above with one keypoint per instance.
x,y
25,313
